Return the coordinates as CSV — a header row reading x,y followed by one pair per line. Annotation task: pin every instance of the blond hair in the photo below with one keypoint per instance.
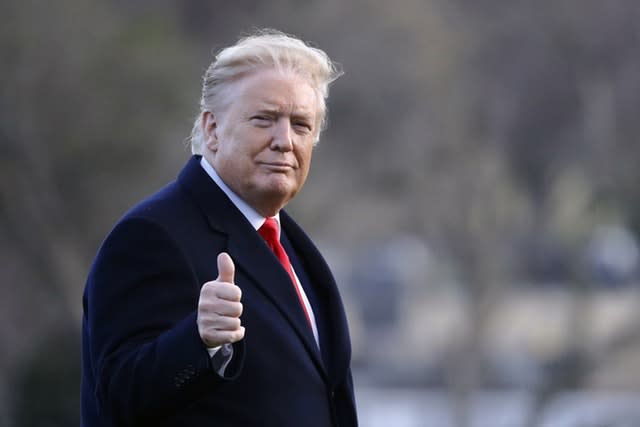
x,y
264,49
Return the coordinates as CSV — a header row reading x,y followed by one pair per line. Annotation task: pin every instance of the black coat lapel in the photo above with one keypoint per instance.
x,y
321,276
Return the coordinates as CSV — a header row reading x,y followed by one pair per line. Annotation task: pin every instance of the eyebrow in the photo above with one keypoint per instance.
x,y
269,108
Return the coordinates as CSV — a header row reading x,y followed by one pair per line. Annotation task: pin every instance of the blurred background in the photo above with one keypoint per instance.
x,y
476,193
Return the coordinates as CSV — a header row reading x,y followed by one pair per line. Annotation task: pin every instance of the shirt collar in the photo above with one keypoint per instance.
x,y
250,213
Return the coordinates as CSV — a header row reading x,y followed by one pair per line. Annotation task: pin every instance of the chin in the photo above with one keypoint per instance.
x,y
279,194
280,185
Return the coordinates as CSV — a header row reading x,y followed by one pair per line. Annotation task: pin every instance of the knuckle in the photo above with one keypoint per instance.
x,y
208,286
206,307
208,290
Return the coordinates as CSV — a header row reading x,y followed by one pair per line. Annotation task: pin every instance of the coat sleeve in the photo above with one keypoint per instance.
x,y
147,356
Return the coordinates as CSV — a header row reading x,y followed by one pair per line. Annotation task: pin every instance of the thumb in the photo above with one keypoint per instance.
x,y
226,269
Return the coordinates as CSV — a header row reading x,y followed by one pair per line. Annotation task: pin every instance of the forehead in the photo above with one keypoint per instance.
x,y
275,90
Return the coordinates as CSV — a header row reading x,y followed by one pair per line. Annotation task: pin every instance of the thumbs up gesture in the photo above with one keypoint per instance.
x,y
219,307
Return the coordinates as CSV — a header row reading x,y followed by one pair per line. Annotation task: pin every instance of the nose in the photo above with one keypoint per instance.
x,y
282,136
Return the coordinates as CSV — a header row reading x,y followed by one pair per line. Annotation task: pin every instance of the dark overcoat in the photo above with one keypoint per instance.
x,y
144,363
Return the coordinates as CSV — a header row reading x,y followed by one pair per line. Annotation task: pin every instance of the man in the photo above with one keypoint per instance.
x,y
207,305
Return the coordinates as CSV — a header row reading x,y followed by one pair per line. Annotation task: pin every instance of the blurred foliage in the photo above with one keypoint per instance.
x,y
502,134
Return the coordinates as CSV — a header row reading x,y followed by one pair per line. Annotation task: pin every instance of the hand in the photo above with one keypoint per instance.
x,y
219,307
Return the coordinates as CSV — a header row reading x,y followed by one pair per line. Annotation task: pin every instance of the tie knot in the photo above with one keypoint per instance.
x,y
269,230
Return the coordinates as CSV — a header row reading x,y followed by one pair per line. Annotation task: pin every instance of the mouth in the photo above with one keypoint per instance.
x,y
277,166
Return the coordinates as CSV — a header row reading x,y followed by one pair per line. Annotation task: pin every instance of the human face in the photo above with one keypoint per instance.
x,y
261,143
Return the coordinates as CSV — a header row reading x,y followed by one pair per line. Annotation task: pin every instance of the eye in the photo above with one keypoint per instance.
x,y
302,126
261,120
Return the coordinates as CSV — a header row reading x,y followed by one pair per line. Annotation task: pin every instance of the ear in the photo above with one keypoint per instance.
x,y
209,127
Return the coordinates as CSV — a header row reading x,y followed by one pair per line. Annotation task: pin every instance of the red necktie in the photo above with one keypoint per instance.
x,y
269,232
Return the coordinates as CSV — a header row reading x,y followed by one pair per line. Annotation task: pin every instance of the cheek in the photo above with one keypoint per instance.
x,y
304,160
